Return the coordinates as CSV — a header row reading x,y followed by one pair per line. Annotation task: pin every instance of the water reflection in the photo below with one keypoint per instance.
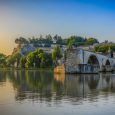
x,y
46,86
2,78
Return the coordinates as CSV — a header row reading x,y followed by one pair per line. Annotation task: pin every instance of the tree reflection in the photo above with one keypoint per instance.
x,y
58,84
2,77
46,86
28,83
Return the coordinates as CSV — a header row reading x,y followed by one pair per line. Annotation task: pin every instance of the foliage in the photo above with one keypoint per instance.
x,y
76,40
2,60
112,46
21,40
38,58
91,41
70,44
104,48
11,60
56,54
48,40
22,62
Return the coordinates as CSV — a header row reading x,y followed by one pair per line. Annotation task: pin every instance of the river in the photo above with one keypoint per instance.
x,y
46,93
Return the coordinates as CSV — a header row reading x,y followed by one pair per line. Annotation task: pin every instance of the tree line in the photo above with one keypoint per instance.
x,y
35,59
48,40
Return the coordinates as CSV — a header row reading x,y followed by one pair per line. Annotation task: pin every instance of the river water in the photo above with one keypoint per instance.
x,y
45,93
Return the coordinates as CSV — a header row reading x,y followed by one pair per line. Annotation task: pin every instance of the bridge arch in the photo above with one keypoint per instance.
x,y
93,60
107,62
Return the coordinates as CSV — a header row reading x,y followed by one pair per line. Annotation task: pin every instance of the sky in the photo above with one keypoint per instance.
x,y
27,18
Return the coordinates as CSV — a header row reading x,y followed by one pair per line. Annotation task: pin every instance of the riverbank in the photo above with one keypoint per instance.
x,y
50,68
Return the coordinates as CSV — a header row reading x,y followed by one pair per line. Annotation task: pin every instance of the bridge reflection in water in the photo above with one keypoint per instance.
x,y
46,86
82,85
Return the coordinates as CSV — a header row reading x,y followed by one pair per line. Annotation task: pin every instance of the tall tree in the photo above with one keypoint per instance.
x,y
2,60
56,54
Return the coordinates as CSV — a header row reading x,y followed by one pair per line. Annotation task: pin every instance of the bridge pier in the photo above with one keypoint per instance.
x,y
83,68
87,68
107,68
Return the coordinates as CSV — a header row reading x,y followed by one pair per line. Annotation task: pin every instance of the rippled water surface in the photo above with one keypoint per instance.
x,y
45,93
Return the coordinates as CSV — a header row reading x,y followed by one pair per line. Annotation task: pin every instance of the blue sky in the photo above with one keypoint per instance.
x,y
90,18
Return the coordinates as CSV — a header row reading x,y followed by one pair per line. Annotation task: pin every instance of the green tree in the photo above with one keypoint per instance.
x,y
32,59
76,41
46,60
38,58
22,62
15,58
2,60
102,48
56,54
91,41
112,46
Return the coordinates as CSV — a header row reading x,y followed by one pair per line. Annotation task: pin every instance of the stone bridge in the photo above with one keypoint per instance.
x,y
81,61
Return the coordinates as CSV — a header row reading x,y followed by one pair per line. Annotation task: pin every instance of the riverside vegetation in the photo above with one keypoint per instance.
x,y
41,59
